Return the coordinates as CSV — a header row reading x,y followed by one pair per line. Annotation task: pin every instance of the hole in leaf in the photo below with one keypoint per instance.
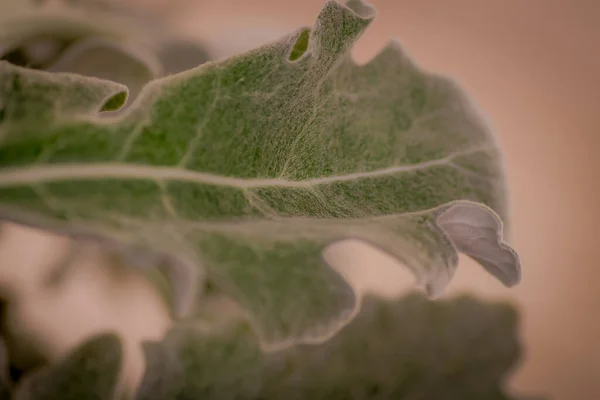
x,y
300,46
115,102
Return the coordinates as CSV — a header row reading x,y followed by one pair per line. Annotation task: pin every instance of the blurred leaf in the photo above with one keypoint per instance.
x,y
96,40
108,60
15,7
91,372
180,54
411,348
247,169
5,382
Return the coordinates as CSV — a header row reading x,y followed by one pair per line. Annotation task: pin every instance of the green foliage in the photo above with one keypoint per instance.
x,y
5,383
91,372
242,172
250,167
461,349
408,348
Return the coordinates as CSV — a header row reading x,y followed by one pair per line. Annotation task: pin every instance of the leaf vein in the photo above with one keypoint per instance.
x,y
63,172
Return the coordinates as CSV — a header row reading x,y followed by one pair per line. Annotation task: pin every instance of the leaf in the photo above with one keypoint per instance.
x,y
410,348
5,381
92,371
245,170
15,7
177,55
108,60
36,38
96,41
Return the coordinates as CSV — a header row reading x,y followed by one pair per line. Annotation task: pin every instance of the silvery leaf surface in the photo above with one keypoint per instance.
x,y
245,170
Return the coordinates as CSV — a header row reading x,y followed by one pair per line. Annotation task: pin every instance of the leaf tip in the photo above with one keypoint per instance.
x,y
338,27
362,8
476,231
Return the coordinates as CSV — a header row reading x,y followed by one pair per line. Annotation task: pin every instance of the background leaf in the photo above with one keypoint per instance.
x,y
92,371
107,60
409,348
97,40
5,381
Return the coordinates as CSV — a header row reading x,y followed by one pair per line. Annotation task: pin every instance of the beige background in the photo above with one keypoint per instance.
x,y
534,69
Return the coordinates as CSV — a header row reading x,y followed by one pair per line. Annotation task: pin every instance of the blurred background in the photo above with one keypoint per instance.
x,y
534,70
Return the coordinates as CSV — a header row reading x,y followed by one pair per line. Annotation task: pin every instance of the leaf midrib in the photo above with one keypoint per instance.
x,y
19,176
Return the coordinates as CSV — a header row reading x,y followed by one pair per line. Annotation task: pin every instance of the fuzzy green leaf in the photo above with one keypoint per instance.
x,y
247,169
91,372
410,348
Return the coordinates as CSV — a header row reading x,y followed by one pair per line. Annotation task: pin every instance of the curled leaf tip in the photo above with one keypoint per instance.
x,y
338,27
363,9
476,231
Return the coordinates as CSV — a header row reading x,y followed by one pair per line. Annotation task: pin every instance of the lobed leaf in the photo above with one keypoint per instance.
x,y
244,170
410,348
